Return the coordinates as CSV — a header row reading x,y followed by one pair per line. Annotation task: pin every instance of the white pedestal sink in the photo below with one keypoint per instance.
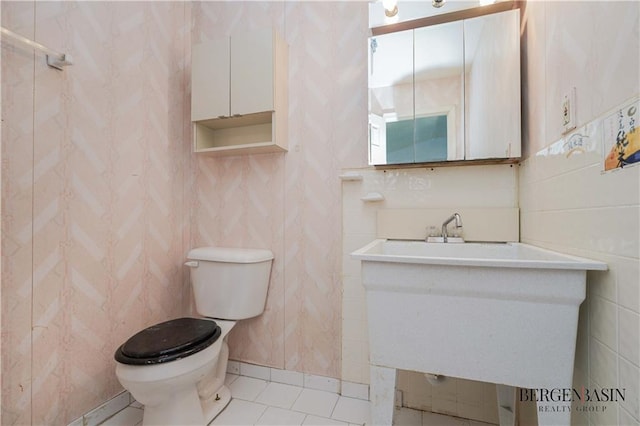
x,y
498,313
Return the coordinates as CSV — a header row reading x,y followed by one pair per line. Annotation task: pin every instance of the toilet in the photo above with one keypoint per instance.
x,y
176,368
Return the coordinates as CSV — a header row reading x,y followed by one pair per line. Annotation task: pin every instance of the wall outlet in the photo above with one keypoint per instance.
x,y
568,110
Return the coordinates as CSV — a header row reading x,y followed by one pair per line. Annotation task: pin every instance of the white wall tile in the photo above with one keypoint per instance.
x,y
352,370
604,322
474,412
604,283
294,378
354,310
353,288
616,70
107,409
629,335
627,273
603,364
129,416
566,202
630,381
471,392
355,390
417,392
610,230
322,383
569,31
407,417
625,418
255,371
233,367
444,406
608,416
434,419
360,219
351,242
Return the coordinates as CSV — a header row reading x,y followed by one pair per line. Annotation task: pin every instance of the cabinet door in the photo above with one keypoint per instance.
x,y
252,72
210,80
492,85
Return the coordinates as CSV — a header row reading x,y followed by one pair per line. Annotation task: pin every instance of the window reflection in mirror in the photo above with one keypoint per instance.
x,y
416,95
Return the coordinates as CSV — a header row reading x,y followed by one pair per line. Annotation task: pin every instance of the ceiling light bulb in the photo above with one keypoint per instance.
x,y
390,7
437,3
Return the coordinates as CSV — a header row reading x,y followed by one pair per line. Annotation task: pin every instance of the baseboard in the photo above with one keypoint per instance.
x,y
104,411
296,378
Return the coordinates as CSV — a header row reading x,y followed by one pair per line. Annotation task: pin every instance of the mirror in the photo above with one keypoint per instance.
x,y
492,86
446,92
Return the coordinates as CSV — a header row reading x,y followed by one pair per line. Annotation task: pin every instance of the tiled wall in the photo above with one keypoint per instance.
x,y
107,185
566,202
97,158
447,187
290,203
93,221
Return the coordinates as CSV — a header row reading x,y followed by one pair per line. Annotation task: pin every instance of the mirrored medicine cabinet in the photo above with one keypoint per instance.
x,y
446,88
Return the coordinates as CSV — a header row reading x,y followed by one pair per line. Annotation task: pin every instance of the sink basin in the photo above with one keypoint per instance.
x,y
499,313
503,255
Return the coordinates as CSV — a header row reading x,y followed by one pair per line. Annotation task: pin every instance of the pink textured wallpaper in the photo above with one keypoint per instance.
x,y
93,204
102,197
290,202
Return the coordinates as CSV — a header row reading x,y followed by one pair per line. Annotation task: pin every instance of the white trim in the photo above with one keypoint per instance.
x,y
104,411
296,378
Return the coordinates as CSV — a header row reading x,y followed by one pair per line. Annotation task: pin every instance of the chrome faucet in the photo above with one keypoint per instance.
x,y
451,218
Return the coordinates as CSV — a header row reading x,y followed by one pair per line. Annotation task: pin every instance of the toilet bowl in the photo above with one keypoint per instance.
x,y
176,368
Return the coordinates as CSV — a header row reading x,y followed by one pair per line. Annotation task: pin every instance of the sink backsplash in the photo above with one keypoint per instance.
x,y
484,224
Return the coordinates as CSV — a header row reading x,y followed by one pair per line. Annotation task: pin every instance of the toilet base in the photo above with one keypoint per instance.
x,y
212,406
192,410
184,409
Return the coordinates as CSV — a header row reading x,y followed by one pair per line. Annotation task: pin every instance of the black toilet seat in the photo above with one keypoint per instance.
x,y
168,341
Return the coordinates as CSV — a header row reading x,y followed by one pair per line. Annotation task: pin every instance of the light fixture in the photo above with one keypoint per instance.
x,y
390,7
437,3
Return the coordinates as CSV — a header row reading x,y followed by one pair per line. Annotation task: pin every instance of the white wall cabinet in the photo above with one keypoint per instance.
x,y
239,94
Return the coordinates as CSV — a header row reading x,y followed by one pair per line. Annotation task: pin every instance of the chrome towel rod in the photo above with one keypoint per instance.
x,y
54,59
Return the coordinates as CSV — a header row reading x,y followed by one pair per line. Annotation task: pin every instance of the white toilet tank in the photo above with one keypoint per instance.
x,y
230,283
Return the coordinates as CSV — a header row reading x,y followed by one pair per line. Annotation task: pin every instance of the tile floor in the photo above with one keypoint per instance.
x,y
260,402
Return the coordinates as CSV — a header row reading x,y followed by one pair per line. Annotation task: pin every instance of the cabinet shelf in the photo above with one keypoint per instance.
x,y
247,134
239,94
